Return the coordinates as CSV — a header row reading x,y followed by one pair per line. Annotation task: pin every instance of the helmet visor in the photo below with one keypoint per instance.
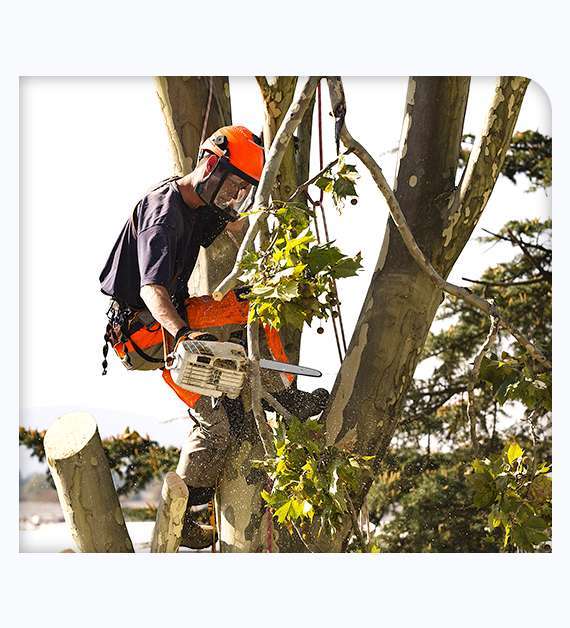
x,y
232,192
226,188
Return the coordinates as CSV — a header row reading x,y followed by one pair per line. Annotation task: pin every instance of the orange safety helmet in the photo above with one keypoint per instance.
x,y
230,164
240,146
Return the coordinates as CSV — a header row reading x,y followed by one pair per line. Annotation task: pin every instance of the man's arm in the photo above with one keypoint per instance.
x,y
161,307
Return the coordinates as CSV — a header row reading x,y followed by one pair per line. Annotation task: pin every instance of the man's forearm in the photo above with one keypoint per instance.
x,y
161,307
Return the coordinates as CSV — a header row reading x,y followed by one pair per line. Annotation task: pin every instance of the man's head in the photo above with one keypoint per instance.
x,y
229,167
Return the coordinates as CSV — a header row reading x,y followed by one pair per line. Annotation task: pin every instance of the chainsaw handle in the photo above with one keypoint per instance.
x,y
171,361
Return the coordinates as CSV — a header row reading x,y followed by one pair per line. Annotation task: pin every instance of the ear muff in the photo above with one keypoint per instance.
x,y
209,166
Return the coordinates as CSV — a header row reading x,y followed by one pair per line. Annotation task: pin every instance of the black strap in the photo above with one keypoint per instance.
x,y
141,353
107,339
181,332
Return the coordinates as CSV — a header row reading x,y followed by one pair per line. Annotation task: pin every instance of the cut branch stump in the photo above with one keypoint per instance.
x,y
85,488
170,515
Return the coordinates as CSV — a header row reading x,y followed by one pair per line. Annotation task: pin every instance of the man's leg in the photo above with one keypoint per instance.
x,y
201,461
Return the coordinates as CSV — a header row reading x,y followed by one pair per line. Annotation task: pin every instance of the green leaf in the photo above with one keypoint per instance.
x,y
514,452
323,256
347,266
325,183
282,512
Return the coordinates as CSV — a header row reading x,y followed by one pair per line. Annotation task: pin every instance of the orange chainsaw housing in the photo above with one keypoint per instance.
x,y
204,312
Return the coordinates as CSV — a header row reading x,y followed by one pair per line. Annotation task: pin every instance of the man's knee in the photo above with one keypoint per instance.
x,y
204,451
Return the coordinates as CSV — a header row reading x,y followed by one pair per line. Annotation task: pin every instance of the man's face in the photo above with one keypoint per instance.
x,y
219,186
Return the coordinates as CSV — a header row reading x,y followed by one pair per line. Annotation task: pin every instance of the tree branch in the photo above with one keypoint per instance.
x,y
257,388
270,170
507,284
277,406
355,526
545,274
471,413
339,109
507,239
488,153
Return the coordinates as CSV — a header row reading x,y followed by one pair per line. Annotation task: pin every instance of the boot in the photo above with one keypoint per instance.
x,y
196,535
303,404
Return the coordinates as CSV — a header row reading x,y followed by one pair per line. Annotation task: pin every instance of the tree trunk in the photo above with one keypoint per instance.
x,y
184,101
170,515
84,485
401,301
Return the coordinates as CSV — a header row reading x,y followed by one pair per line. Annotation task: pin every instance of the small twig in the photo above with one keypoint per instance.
x,y
304,186
339,107
356,527
529,256
506,284
301,537
532,421
474,378
507,239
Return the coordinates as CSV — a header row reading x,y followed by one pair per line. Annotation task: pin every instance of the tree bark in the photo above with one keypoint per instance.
x,y
82,477
184,102
402,300
170,515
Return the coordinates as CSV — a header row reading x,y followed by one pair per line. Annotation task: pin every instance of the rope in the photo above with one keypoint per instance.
x,y
212,513
207,114
319,203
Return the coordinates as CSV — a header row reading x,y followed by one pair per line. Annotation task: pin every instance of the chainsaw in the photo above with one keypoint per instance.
x,y
214,368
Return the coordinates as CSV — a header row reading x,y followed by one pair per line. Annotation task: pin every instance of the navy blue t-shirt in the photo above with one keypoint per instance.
x,y
159,244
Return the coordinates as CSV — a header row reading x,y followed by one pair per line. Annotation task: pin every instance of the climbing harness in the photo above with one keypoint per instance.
x,y
133,334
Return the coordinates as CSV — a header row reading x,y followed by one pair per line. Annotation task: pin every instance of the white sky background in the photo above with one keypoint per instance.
x,y
90,147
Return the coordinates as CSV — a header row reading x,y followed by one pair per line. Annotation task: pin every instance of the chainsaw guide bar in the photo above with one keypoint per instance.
x,y
215,368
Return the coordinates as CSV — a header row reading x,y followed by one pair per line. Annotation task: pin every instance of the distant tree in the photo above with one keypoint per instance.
x,y
422,500
134,460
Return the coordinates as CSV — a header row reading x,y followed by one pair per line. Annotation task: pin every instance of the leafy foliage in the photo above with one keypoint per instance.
x,y
513,379
423,503
519,495
310,481
423,500
340,182
290,281
134,459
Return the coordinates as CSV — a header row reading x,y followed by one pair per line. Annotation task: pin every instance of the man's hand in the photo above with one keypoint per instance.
x,y
161,307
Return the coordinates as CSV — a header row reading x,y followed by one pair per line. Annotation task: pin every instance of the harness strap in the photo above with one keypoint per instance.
x,y
141,353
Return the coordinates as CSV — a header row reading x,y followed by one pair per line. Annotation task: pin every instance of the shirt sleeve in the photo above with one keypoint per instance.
x,y
156,249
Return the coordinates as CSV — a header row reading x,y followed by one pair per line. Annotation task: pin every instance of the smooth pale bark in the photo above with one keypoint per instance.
x,y
402,300
82,477
170,515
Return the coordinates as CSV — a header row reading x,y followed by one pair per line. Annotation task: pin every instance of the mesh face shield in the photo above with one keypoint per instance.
x,y
226,188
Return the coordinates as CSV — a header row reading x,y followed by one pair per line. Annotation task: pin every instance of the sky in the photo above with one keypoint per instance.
x,y
90,147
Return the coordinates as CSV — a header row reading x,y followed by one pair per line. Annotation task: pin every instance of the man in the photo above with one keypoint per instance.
x,y
147,275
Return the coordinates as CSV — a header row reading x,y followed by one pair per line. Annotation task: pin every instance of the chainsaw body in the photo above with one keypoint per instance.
x,y
208,367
